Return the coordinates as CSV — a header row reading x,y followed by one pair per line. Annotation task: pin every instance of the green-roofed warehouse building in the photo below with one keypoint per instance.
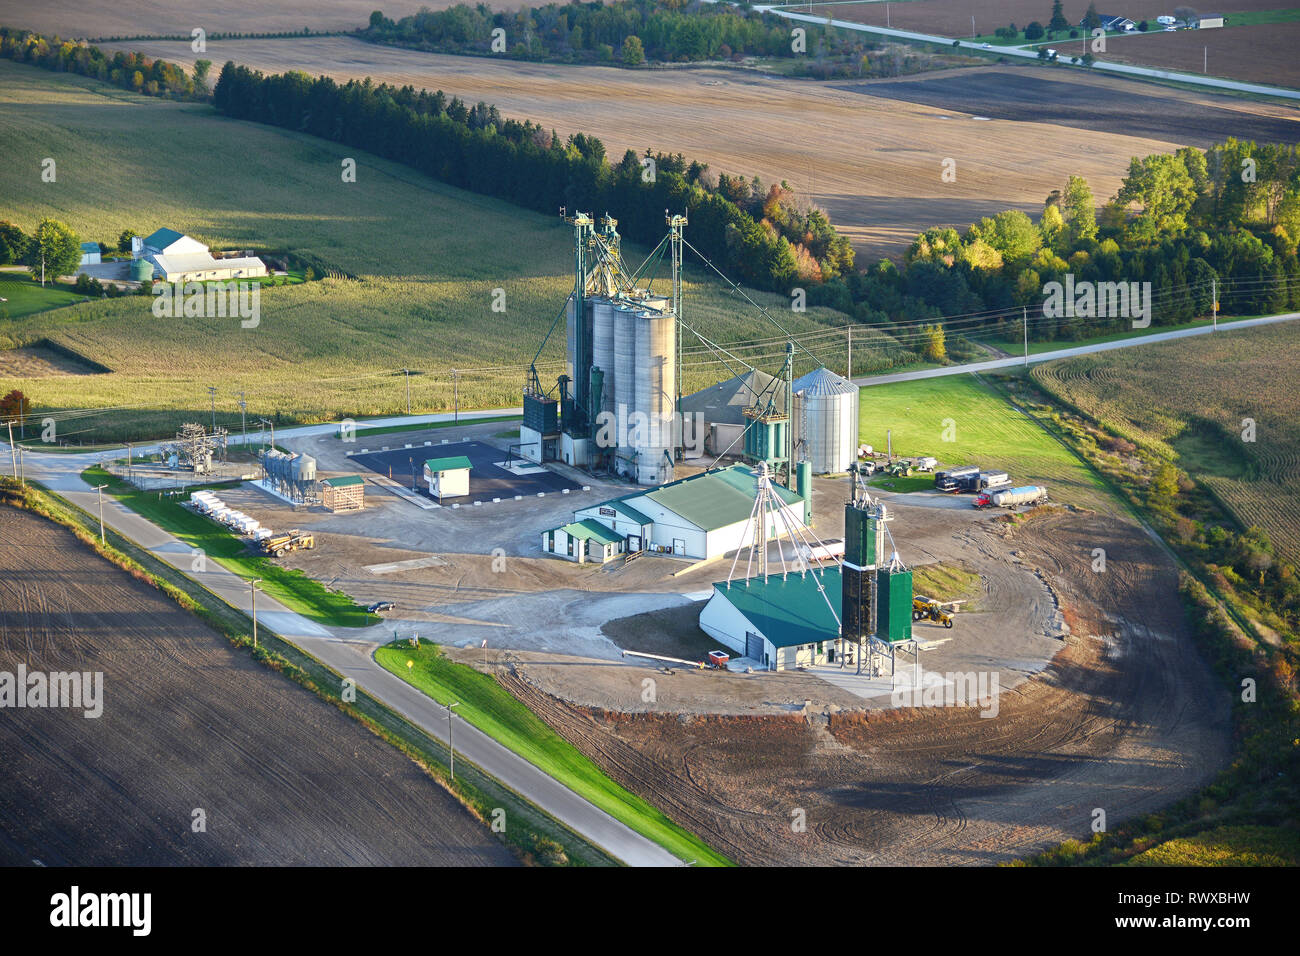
x,y
701,517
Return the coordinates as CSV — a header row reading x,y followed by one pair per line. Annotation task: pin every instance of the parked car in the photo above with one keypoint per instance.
x,y
380,606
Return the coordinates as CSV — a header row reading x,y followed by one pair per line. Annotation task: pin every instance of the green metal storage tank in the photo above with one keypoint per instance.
x,y
141,270
765,440
895,590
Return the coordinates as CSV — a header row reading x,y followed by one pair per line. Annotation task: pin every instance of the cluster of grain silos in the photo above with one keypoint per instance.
x,y
826,416
291,475
621,362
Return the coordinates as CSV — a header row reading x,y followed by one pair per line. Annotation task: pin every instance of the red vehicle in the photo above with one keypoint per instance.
x,y
718,660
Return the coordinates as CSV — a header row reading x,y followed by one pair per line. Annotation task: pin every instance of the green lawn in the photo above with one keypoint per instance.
x,y
491,708
290,587
962,421
24,296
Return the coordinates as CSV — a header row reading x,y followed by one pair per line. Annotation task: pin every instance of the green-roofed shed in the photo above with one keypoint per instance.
x,y
343,493
447,477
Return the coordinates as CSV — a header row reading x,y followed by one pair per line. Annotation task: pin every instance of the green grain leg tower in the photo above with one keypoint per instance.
x,y
876,597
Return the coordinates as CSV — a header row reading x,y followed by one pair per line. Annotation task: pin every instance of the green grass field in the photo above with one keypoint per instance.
x,y
962,421
290,587
24,296
428,258
490,707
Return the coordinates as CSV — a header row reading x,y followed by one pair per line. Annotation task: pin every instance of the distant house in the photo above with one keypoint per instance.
x,y
177,257
90,254
1208,21
1113,24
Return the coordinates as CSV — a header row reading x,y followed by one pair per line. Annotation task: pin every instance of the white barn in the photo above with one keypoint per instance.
x,y
180,258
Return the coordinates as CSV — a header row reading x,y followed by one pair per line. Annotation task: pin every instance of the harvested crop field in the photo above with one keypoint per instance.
x,y
1257,53
874,164
1093,101
1126,718
282,777
102,18
38,361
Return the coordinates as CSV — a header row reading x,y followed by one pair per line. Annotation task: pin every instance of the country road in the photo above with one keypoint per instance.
x,y
1223,329
350,652
1103,66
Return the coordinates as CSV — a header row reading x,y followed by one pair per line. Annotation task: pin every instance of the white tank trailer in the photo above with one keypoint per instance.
x,y
827,406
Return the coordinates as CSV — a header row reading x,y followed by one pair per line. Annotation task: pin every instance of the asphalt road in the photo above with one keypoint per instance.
x,y
1224,329
351,652
1105,66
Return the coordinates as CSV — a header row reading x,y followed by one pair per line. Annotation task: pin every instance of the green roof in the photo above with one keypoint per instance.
x,y
343,481
162,238
90,247
620,505
789,611
589,529
714,499
447,464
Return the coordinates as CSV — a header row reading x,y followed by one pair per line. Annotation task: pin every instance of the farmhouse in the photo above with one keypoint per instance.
x,y
702,517
90,254
1113,24
177,257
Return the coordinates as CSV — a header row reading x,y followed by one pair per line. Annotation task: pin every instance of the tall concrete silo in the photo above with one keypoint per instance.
x,y
602,350
828,412
656,390
624,391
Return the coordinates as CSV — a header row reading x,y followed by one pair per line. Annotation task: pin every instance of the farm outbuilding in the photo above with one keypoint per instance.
x,y
177,257
584,541
782,622
701,517
344,493
447,477
90,254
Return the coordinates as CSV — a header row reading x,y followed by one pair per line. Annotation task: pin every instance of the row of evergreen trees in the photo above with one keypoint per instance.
x,y
760,238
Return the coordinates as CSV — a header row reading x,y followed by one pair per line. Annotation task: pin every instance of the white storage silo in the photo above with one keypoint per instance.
x,y
602,350
656,389
827,407
624,392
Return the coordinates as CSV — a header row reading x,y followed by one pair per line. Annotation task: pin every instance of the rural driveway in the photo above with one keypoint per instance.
x,y
350,652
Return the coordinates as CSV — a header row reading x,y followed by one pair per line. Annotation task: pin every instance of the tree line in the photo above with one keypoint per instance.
x,y
130,71
760,235
1182,221
629,31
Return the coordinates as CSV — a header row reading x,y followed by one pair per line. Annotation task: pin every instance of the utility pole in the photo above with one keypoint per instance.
x,y
451,746
22,470
100,489
972,26
850,375
265,422
455,396
252,588
1205,61
1026,309
243,419
212,395
1214,294
12,454
407,372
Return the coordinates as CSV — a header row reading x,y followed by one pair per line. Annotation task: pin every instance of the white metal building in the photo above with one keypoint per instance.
x,y
179,258
782,622
701,517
